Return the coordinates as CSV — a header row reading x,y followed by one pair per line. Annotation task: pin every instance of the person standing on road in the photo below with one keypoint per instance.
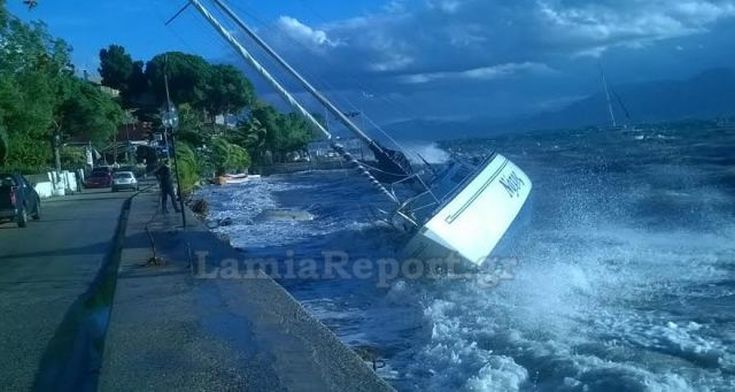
x,y
166,184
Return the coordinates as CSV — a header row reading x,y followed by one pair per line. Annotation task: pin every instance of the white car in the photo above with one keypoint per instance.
x,y
124,180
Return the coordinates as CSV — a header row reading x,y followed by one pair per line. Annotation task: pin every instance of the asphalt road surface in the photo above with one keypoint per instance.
x,y
44,268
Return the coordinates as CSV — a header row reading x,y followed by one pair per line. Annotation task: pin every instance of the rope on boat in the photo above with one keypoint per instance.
x,y
362,170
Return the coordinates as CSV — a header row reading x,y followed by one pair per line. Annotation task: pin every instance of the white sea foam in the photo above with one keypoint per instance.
x,y
243,204
428,151
593,305
602,300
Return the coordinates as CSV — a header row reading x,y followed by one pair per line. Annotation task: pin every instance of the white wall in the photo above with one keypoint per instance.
x,y
57,185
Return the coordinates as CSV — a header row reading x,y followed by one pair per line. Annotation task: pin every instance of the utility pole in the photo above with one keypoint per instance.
x,y
56,144
114,150
171,121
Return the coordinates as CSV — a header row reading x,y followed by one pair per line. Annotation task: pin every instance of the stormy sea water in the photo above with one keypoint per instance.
x,y
624,281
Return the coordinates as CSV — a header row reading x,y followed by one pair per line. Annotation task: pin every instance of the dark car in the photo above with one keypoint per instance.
x,y
100,177
18,199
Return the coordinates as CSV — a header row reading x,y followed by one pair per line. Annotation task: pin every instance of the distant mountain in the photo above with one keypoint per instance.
x,y
438,129
708,95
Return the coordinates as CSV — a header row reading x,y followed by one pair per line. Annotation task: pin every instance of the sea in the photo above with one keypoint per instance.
x,y
623,276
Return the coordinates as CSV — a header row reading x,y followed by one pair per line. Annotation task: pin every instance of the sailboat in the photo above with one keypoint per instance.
x,y
609,93
462,211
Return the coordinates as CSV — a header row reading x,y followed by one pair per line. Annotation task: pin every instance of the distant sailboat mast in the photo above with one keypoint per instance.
x,y
613,121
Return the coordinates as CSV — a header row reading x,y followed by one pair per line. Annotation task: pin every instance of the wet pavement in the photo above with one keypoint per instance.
x,y
83,310
44,269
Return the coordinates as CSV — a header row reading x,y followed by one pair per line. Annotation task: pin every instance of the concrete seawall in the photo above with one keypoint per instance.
x,y
172,330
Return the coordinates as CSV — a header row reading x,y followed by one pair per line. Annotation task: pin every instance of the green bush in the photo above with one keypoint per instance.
x,y
239,158
188,168
27,154
226,156
73,158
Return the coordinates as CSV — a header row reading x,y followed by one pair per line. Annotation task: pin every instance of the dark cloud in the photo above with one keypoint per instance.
x,y
517,55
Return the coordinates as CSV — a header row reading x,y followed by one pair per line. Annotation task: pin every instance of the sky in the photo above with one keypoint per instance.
x,y
450,59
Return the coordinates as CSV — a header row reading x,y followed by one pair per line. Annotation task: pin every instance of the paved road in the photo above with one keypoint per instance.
x,y
44,268
167,329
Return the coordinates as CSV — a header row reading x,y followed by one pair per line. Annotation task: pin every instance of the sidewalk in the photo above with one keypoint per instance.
x,y
172,331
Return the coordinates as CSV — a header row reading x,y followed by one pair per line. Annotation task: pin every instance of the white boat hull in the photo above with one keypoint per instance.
x,y
241,179
472,224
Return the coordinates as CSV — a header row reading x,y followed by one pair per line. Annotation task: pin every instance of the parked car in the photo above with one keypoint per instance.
x,y
124,180
126,168
138,171
18,200
102,169
100,177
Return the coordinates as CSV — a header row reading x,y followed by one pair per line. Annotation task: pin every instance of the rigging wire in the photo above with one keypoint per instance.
x,y
202,30
382,154
358,82
181,11
366,92
273,28
259,22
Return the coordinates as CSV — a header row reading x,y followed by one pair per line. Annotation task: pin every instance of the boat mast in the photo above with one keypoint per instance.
x,y
607,95
288,97
305,83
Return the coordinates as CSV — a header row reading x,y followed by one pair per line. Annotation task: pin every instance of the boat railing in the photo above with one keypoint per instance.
x,y
414,178
418,205
427,202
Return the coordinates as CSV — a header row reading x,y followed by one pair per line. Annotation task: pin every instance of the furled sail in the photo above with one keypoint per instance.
x,y
391,165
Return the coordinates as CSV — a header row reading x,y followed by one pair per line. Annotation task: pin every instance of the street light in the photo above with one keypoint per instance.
x,y
170,120
170,117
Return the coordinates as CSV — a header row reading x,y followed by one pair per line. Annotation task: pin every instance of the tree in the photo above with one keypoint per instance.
x,y
283,133
90,113
192,128
41,99
250,134
73,157
298,132
3,144
188,167
228,90
3,13
137,83
188,77
216,89
226,156
33,67
267,117
116,68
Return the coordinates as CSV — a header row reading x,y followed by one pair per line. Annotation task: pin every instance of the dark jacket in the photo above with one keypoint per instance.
x,y
164,177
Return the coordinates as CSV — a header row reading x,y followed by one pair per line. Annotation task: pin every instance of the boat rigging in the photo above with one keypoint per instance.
x,y
462,210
